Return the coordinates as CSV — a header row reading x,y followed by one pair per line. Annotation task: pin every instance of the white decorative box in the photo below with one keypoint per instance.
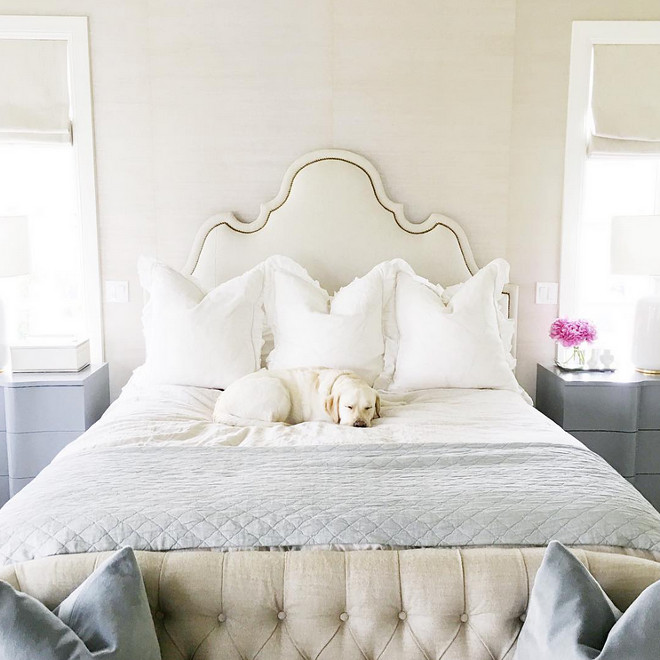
x,y
44,354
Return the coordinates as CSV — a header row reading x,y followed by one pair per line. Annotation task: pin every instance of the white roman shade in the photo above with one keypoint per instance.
x,y
34,91
625,100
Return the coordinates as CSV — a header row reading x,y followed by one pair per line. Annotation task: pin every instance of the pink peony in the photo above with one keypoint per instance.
x,y
572,333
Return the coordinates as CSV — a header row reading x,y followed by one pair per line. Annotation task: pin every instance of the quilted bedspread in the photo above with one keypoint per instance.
x,y
384,495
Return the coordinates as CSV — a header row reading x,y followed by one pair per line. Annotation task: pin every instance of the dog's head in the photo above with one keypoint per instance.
x,y
352,402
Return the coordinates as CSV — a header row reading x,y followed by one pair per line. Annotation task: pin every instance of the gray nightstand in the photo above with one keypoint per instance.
x,y
617,415
40,414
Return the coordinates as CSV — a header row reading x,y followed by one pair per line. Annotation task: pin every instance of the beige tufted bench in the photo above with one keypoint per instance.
x,y
406,605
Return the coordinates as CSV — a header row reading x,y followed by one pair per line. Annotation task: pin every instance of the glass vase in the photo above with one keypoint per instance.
x,y
575,360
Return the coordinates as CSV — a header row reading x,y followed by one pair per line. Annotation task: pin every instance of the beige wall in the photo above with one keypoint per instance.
x,y
201,105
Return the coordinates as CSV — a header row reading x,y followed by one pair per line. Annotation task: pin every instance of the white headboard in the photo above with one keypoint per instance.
x,y
333,216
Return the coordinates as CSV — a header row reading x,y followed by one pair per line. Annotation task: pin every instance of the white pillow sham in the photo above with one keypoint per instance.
x,y
454,343
507,326
197,338
313,329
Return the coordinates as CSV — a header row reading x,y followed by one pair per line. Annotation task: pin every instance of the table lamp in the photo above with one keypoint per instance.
x,y
635,250
14,261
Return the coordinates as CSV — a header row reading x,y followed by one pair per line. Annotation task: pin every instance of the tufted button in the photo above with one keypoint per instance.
x,y
403,616
222,617
523,616
464,617
159,615
343,616
281,616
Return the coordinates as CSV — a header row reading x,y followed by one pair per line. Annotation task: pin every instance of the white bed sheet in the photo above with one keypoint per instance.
x,y
148,414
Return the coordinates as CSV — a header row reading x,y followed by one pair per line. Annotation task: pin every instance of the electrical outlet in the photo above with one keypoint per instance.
x,y
547,293
116,291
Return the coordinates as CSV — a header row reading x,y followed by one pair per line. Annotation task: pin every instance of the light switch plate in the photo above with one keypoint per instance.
x,y
547,293
116,291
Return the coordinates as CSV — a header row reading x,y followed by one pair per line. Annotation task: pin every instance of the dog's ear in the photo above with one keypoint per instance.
x,y
377,405
332,408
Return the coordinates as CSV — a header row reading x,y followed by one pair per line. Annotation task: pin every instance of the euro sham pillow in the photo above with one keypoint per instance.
x,y
311,328
107,617
506,325
570,617
204,339
451,342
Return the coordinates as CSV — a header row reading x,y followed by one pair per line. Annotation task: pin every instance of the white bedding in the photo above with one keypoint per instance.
x,y
148,414
440,468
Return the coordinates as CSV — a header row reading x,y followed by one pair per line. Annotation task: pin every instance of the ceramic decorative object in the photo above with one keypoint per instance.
x,y
594,359
607,359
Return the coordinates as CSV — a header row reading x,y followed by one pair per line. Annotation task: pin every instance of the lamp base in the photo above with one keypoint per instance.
x,y
646,337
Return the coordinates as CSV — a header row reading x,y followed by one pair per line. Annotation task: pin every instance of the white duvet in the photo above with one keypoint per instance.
x,y
148,414
441,468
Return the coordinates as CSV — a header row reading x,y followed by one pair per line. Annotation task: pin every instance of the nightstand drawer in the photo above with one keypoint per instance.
x,y
34,409
648,452
649,486
4,469
600,408
649,411
16,484
29,453
618,449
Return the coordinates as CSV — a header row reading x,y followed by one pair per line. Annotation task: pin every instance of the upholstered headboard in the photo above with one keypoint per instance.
x,y
333,216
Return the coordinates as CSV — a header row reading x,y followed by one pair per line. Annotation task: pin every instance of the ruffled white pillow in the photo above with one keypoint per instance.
x,y
507,326
310,328
455,343
198,338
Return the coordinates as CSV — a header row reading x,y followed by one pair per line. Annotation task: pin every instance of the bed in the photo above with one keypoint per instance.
x,y
416,538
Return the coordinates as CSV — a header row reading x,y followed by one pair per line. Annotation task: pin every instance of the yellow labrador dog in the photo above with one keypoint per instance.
x,y
298,395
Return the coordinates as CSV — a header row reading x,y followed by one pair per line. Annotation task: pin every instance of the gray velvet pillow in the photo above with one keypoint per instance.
x,y
570,617
106,618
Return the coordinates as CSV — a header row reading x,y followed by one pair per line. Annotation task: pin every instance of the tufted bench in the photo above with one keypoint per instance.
x,y
413,604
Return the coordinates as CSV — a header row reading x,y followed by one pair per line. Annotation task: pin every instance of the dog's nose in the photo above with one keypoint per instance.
x,y
360,423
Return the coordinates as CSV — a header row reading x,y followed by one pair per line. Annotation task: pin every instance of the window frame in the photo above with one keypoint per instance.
x,y
74,30
585,35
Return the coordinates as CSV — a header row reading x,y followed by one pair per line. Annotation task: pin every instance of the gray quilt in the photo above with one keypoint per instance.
x,y
387,495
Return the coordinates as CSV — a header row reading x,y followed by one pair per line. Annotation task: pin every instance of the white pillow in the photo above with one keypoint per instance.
x,y
312,329
196,338
507,326
455,343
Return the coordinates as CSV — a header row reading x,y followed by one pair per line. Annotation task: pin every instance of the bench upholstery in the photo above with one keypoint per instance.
x,y
409,604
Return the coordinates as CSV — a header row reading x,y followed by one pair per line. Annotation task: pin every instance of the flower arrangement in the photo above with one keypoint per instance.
x,y
572,334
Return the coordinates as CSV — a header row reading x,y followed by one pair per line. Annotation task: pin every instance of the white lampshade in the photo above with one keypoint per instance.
x,y
14,246
635,246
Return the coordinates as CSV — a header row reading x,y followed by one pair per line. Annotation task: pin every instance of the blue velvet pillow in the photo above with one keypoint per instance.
x,y
570,617
106,618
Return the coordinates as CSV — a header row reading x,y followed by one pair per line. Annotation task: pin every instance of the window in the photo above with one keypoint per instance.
x,y
612,167
49,177
38,181
612,186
